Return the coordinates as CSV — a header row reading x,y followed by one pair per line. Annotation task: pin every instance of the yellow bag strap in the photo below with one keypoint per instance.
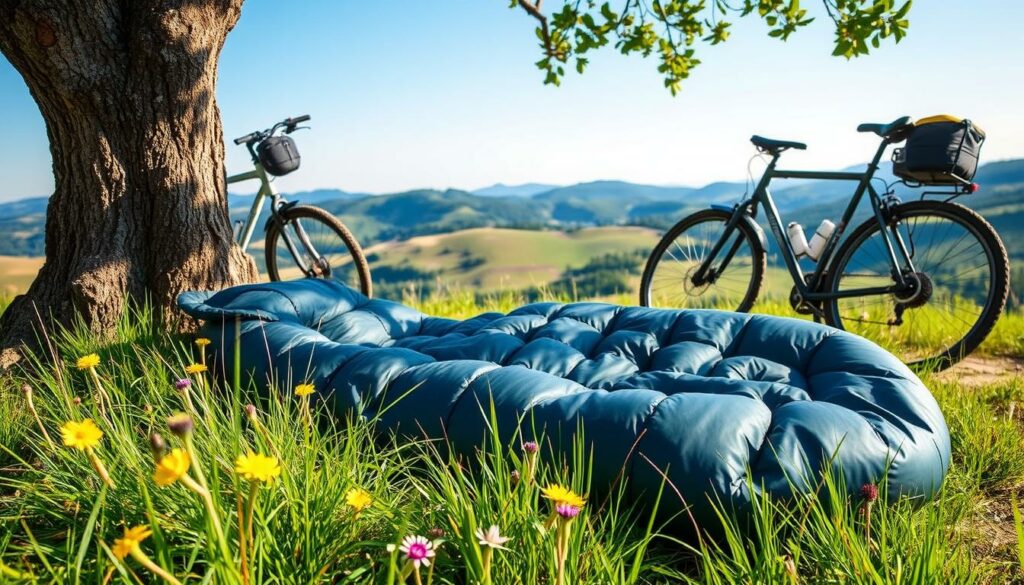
x,y
946,118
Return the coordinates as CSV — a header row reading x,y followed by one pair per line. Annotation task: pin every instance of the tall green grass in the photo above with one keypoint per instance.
x,y
58,521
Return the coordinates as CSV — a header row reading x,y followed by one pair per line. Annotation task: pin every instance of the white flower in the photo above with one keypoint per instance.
x,y
492,538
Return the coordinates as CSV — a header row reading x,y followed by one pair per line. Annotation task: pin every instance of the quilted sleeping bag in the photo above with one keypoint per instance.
x,y
718,401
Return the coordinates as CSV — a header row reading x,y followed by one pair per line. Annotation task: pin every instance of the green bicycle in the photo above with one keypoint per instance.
x,y
925,279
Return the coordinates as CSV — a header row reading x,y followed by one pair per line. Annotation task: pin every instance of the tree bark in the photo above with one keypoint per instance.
x,y
139,211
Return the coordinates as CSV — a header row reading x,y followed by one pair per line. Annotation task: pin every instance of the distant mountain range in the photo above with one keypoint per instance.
x,y
399,216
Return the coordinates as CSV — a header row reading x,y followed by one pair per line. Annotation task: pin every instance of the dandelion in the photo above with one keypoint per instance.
x,y
303,391
201,343
257,467
85,436
27,390
198,370
359,499
89,363
558,494
129,545
489,540
171,467
418,551
567,505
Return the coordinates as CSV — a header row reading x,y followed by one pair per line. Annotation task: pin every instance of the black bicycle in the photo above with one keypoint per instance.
x,y
301,240
926,279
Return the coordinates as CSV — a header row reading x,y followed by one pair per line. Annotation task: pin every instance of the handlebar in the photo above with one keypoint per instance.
x,y
289,125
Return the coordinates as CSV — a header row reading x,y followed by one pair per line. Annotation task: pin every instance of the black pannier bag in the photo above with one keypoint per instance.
x,y
940,150
278,155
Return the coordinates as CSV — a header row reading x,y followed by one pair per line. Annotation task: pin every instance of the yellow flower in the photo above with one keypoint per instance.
x,y
88,362
257,467
562,495
171,467
203,342
81,435
359,499
194,369
131,540
304,389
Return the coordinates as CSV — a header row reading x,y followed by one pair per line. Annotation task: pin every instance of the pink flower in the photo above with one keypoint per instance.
x,y
567,511
869,492
183,384
530,447
418,550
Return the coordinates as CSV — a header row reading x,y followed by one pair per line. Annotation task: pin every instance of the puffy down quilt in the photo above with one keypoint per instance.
x,y
718,401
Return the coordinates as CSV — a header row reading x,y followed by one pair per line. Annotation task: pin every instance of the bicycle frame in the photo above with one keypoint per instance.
x,y
276,202
810,288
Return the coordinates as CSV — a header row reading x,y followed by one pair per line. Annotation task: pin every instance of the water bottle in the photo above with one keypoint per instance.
x,y
820,238
797,239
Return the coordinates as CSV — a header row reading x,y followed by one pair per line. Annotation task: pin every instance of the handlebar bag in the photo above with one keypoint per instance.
x,y
940,150
278,155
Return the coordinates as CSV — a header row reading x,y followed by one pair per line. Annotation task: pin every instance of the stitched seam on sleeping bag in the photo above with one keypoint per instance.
x,y
462,392
270,290
810,360
737,339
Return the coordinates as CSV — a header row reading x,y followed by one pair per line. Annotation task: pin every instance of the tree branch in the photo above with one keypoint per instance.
x,y
533,9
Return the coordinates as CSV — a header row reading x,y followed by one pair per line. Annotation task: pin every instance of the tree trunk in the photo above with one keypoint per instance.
x,y
139,211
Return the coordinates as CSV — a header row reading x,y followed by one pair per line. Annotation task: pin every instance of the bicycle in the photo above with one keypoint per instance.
x,y
927,279
301,240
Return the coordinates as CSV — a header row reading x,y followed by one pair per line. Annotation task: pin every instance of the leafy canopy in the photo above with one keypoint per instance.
x,y
673,28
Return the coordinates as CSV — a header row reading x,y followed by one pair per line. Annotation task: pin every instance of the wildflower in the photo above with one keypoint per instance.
x,y
157,445
257,467
77,401
304,390
88,362
567,505
515,477
359,499
250,411
180,424
418,550
202,342
27,390
183,384
171,467
489,540
193,369
567,511
83,435
558,494
869,492
129,545
131,540
530,447
436,533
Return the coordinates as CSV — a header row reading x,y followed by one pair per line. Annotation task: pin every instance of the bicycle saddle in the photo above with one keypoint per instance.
x,y
775,146
886,130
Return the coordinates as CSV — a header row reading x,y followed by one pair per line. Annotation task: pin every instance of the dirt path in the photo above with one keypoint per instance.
x,y
980,371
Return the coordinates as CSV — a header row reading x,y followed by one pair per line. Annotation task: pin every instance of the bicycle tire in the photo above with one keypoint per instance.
x,y
997,262
758,260
315,214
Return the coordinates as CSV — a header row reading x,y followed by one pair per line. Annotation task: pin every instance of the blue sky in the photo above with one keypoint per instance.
x,y
408,94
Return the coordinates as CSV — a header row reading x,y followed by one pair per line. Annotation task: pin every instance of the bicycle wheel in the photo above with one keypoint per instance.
x,y
323,248
668,276
954,296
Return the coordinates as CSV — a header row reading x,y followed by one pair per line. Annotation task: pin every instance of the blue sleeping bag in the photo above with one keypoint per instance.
x,y
718,401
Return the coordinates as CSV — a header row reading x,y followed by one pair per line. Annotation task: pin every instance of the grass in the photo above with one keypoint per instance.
x,y
59,522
